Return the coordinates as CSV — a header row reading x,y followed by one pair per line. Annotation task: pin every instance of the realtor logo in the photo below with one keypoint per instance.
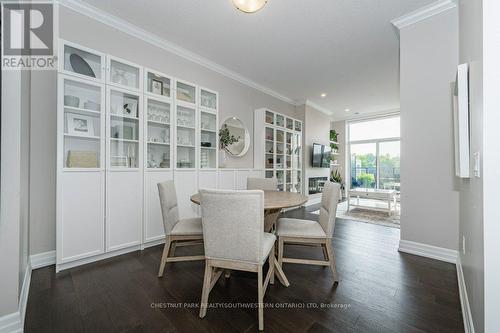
x,y
28,35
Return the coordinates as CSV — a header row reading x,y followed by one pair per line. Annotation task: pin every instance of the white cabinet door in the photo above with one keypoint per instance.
x,y
81,226
227,180
208,179
153,220
124,209
186,184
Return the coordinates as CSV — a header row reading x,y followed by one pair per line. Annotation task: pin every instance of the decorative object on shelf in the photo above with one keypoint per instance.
x,y
91,105
206,144
208,99
119,161
156,87
234,137
80,125
249,6
130,106
119,76
165,163
82,159
80,66
204,159
333,140
71,101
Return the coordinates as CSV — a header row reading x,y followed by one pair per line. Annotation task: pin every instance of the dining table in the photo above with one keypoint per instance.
x,y
274,203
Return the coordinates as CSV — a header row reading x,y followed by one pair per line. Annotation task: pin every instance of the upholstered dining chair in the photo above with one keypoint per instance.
x,y
306,232
264,184
234,238
178,232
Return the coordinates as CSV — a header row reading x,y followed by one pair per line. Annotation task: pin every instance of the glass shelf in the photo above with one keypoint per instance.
x,y
82,124
82,62
208,99
158,84
186,92
208,122
124,74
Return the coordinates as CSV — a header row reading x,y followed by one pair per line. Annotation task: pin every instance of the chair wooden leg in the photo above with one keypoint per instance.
x,y
325,252
260,284
172,249
166,252
206,289
227,273
271,265
280,251
331,255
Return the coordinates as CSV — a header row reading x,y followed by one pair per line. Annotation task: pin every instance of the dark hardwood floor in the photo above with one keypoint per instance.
x,y
381,290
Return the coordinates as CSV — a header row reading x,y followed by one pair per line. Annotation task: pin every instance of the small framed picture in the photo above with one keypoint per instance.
x,y
156,87
80,125
130,106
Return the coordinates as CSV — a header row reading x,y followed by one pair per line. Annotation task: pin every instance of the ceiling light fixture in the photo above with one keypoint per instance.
x,y
249,6
323,95
347,110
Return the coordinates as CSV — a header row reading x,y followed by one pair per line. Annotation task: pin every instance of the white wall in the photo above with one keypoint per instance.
x,y
235,99
14,193
471,190
316,130
429,56
491,162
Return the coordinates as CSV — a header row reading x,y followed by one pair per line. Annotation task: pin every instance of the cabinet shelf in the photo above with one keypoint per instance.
x,y
334,142
186,127
207,130
123,116
85,137
158,122
185,146
158,143
208,148
82,111
123,140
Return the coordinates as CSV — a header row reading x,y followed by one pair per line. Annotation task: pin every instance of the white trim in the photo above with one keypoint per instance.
x,y
428,251
464,299
14,322
126,27
43,259
318,107
423,13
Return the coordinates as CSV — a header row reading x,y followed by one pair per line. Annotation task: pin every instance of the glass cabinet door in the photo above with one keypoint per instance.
x,y
186,137
269,118
208,99
158,84
289,123
298,126
124,129
280,174
82,62
185,92
208,140
125,74
158,133
280,120
83,123
280,149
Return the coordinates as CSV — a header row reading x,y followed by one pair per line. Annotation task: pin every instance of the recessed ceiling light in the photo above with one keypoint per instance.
x,y
249,6
323,95
347,110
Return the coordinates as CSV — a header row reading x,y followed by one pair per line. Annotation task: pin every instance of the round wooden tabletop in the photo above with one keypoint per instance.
x,y
273,199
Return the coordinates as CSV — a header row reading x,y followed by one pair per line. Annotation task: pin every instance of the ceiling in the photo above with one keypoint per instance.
x,y
299,49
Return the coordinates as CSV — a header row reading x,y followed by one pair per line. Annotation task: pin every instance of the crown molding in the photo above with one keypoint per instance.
x,y
317,107
97,14
423,13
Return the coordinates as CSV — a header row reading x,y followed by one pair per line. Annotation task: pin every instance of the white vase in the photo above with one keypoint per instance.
x,y
222,158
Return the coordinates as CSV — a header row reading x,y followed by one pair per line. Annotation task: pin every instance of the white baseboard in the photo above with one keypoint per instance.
x,y
429,251
464,299
14,322
40,260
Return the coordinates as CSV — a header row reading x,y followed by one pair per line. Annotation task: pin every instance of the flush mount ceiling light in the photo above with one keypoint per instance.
x,y
249,6
323,95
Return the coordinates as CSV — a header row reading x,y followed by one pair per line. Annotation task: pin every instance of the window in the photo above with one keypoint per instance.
x,y
375,153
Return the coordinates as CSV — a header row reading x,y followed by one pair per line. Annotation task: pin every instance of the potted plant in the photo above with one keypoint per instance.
x,y
334,137
226,139
337,178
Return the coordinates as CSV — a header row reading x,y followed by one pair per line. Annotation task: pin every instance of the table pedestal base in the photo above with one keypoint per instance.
x,y
270,218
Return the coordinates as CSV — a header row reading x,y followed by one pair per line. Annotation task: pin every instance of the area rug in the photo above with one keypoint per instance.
x,y
367,215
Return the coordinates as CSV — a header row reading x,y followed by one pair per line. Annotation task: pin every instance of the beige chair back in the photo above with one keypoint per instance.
x,y
233,224
328,209
168,203
264,184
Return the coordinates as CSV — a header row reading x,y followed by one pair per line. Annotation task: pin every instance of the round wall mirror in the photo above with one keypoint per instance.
x,y
239,131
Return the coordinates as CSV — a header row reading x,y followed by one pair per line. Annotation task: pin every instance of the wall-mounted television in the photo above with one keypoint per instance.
x,y
321,156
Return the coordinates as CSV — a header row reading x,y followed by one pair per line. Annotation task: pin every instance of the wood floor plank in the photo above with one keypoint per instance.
x,y
380,290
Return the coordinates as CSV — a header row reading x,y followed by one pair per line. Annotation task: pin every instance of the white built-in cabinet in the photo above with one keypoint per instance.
x,y
121,130
278,148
